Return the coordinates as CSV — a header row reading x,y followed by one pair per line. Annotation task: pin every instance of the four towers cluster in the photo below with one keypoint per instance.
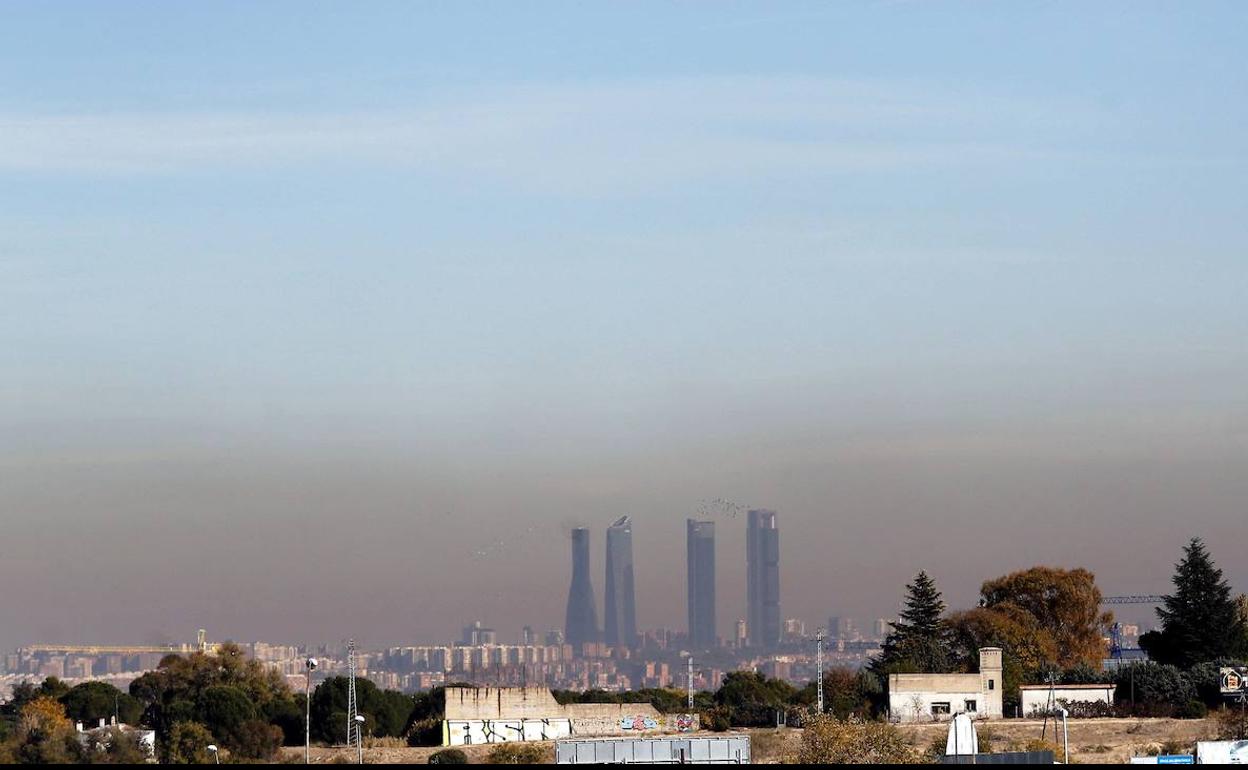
x,y
763,627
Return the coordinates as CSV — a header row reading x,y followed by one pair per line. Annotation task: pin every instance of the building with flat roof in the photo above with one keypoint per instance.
x,y
937,697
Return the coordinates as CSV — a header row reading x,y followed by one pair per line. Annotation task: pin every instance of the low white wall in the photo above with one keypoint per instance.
x,y
474,732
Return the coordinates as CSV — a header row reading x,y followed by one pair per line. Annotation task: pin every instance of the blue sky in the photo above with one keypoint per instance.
x,y
538,255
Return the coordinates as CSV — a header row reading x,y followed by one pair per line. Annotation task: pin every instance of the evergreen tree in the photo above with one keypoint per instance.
x,y
918,642
1199,621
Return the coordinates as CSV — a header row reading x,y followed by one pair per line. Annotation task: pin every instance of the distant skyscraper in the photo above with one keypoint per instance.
x,y
581,624
620,623
701,590
762,557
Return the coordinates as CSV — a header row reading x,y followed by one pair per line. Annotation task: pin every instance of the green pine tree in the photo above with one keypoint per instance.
x,y
918,642
1199,621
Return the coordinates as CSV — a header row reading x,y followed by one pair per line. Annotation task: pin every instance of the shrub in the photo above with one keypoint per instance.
x,y
717,719
516,753
448,757
828,740
1193,709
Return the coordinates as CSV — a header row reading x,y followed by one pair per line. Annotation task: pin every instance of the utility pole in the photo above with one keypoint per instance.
x,y
819,667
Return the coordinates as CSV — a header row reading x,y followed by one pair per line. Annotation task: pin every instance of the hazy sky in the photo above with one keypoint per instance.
x,y
328,319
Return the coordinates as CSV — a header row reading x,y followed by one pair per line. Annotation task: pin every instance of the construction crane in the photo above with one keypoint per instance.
x,y
1134,599
1115,631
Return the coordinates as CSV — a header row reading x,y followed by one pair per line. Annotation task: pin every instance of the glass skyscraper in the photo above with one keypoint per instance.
x,y
620,623
700,537
581,625
762,557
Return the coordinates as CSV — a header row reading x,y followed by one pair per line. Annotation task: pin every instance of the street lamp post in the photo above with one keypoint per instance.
x,y
359,735
310,664
1065,736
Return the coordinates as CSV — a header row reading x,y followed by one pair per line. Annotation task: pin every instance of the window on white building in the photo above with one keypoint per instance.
x,y
940,708
972,706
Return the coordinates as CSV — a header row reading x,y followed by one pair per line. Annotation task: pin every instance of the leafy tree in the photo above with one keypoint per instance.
x,y
224,709
827,740
115,746
179,691
44,735
256,739
752,699
1064,603
1153,689
918,642
53,688
846,693
90,702
186,744
386,713
1200,621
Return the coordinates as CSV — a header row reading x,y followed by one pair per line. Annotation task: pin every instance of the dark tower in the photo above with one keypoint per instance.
x,y
762,560
582,617
620,623
701,557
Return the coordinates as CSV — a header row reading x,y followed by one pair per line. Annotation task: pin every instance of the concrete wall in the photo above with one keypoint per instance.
x,y
472,703
1035,698
474,732
497,714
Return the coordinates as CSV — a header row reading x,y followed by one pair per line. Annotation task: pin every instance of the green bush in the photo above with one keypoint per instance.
x,y
1193,709
516,753
448,757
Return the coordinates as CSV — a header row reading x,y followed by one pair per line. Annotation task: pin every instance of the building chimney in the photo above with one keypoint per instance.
x,y
78,725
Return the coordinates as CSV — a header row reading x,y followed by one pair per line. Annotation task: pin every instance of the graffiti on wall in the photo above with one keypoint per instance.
x,y
684,723
472,732
638,723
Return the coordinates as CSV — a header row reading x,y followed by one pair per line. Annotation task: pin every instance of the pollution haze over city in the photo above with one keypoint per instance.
x,y
329,320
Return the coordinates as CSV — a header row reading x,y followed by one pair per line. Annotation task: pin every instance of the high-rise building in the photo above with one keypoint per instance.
x,y
581,623
700,544
762,558
620,606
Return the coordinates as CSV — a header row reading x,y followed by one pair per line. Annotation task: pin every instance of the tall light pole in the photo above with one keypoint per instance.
x,y
819,668
310,664
359,737
1065,736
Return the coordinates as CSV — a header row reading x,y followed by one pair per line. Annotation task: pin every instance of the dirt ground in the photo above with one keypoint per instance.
x,y
1092,741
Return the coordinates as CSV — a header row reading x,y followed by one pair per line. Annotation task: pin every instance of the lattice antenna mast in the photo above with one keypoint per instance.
x,y
353,725
819,666
689,684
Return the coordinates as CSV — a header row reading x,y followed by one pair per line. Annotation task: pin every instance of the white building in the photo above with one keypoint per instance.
x,y
1035,700
937,697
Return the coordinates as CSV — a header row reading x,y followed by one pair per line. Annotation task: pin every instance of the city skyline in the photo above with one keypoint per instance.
x,y
307,307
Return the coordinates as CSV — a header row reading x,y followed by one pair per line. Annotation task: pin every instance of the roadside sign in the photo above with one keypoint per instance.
x,y
1176,759
1234,680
